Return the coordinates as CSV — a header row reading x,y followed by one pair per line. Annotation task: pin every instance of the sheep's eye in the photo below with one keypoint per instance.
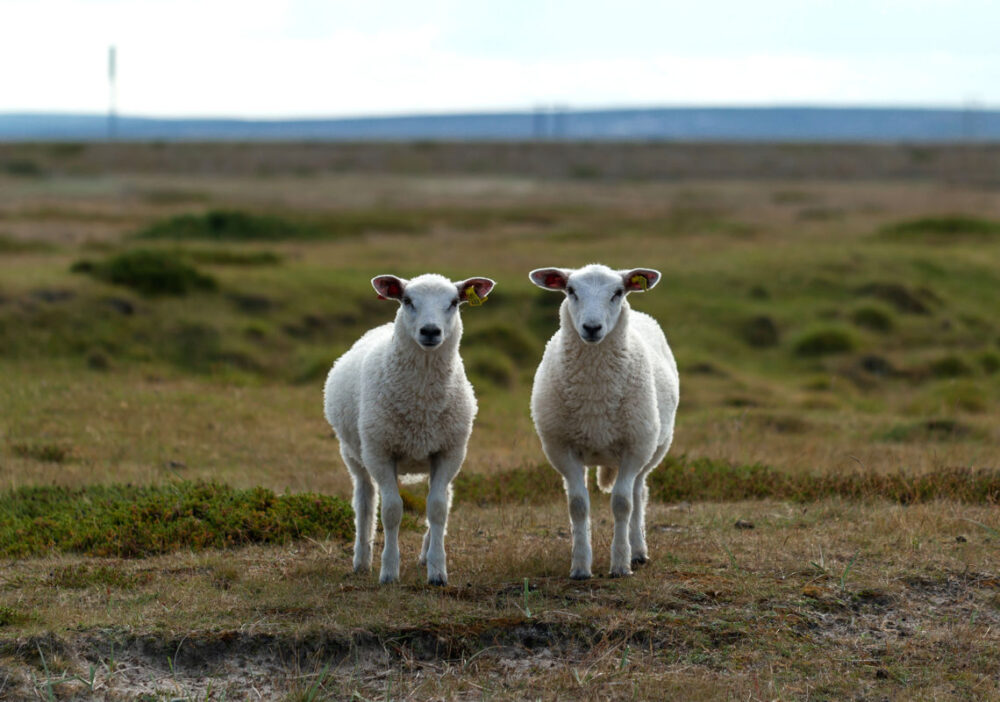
x,y
570,291
408,302
618,293
454,304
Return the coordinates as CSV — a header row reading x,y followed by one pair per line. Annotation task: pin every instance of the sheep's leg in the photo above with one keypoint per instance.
x,y
444,467
575,476
383,470
365,504
640,497
621,508
637,525
423,547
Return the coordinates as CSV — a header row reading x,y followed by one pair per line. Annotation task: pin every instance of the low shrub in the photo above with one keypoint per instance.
x,y
872,317
824,341
129,521
148,272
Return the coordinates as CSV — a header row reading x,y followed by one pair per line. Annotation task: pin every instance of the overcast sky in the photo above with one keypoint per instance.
x,y
327,58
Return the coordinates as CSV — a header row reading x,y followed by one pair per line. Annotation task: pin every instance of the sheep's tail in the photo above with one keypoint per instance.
x,y
606,478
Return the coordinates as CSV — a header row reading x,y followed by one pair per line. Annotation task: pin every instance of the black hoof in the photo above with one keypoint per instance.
x,y
437,582
579,576
613,574
639,560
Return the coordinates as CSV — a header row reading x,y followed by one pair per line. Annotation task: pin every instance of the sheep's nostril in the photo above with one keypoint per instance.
x,y
592,329
430,331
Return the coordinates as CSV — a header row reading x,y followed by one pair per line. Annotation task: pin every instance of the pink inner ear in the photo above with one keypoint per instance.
x,y
554,280
393,290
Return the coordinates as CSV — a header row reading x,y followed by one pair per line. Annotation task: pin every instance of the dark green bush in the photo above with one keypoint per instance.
x,y
148,272
874,318
823,341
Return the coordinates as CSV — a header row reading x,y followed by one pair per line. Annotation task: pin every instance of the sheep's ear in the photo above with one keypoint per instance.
x,y
389,287
640,279
474,290
550,278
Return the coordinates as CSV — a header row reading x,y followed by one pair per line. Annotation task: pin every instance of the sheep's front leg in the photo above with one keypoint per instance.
x,y
444,467
575,476
621,508
383,469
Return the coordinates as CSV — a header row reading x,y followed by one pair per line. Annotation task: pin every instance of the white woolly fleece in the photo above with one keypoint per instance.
x,y
399,402
605,394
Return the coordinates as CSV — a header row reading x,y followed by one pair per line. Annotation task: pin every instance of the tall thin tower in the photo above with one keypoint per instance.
x,y
113,92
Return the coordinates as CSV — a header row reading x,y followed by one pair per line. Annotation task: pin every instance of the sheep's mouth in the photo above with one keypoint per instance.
x,y
592,338
430,343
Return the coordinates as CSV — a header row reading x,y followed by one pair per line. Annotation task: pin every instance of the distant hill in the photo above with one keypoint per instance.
x,y
676,124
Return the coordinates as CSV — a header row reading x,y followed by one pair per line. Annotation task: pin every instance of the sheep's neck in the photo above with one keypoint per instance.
x,y
610,352
423,369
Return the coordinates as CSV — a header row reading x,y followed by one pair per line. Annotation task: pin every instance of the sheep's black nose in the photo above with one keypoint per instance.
x,y
430,331
592,329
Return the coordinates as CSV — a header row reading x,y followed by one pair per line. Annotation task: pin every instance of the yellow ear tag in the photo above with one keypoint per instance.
x,y
641,281
473,298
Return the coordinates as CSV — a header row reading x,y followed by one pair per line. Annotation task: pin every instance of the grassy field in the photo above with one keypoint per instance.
x,y
173,523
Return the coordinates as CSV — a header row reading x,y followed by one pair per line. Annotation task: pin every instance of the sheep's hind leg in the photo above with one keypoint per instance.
x,y
637,524
422,560
640,497
365,504
443,470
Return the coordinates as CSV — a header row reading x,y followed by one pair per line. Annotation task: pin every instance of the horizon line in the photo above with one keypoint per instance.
x,y
541,108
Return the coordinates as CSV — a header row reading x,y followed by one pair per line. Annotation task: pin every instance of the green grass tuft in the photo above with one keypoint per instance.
x,y
148,272
133,522
823,341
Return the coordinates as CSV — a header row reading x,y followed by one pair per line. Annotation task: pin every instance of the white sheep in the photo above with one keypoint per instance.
x,y
605,394
400,403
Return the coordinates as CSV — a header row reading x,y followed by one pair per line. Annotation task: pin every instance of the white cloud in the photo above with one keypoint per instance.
x,y
311,58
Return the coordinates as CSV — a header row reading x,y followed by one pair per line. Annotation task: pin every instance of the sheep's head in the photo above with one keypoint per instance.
x,y
429,303
595,294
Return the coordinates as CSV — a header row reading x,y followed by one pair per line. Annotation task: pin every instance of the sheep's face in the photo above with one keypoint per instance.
x,y
429,304
595,294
